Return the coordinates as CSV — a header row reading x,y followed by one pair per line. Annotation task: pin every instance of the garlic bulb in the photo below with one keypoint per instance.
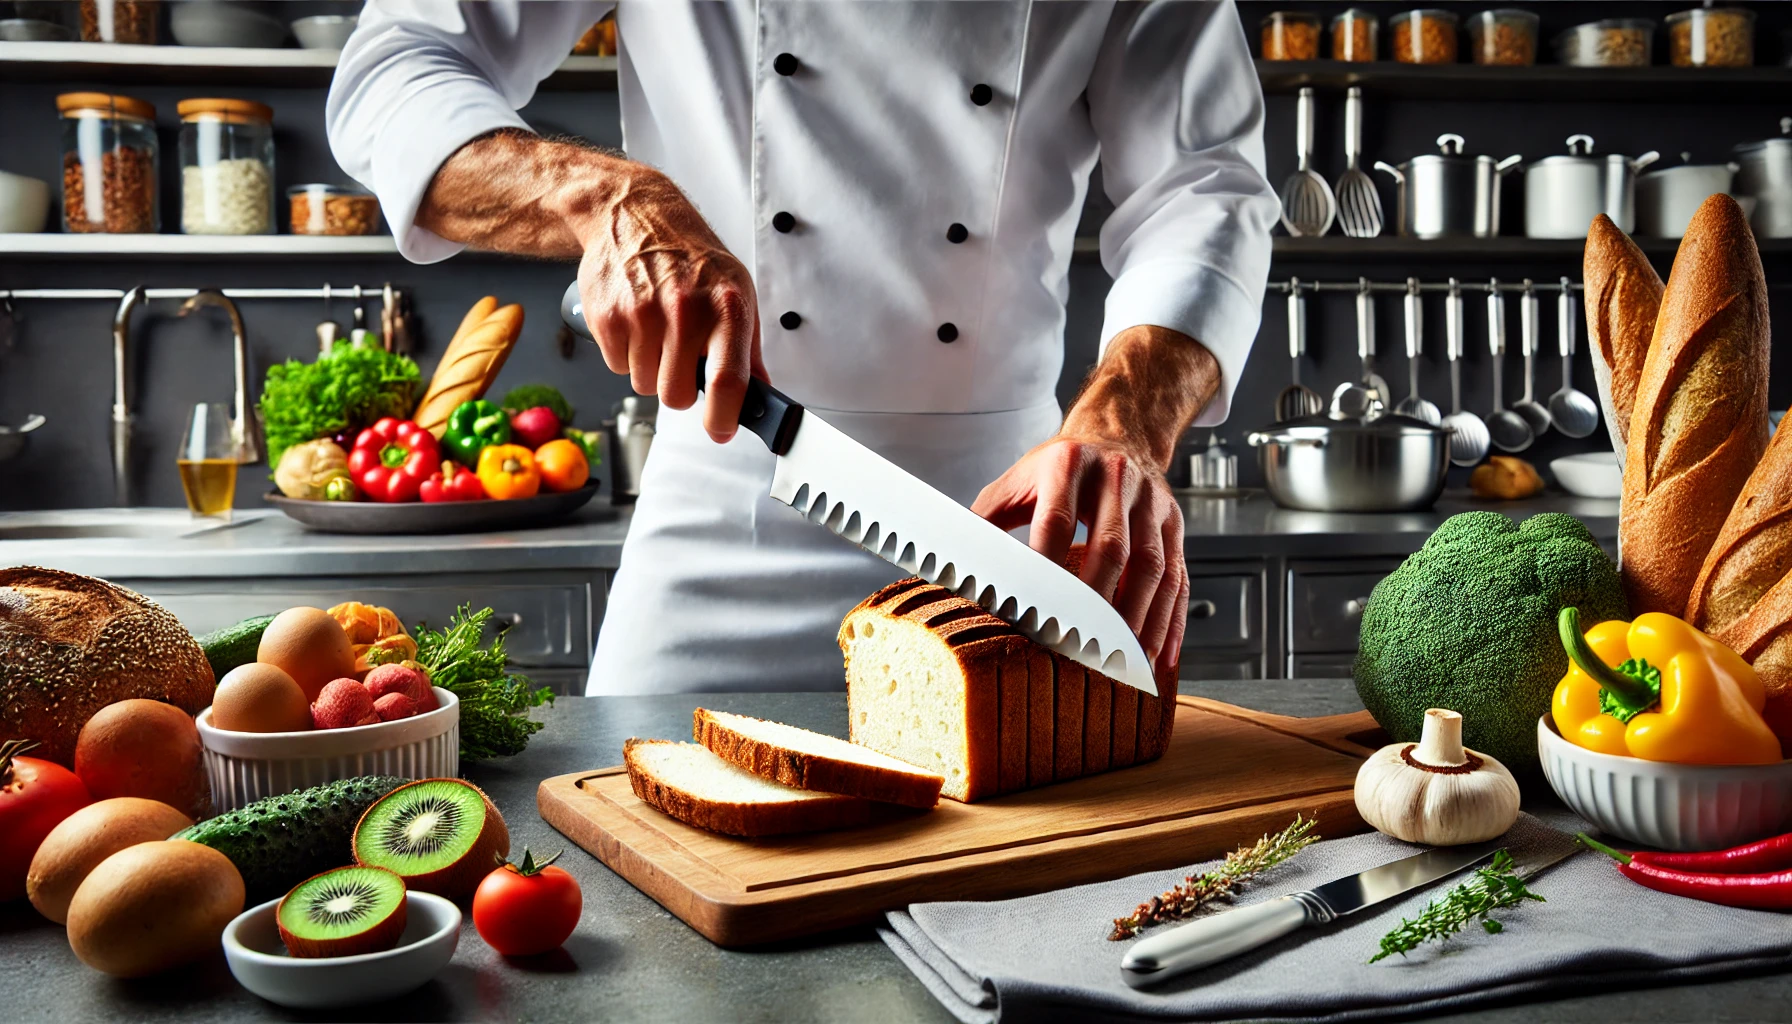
x,y
1436,791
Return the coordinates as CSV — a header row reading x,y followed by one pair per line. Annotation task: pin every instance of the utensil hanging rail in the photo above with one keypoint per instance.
x,y
1403,286
334,291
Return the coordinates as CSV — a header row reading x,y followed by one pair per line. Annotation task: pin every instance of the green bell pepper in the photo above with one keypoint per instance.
x,y
472,427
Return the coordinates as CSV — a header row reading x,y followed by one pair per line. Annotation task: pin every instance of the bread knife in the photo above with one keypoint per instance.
x,y
836,482
1208,941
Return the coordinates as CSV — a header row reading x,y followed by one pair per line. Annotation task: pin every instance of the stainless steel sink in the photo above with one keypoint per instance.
x,y
110,524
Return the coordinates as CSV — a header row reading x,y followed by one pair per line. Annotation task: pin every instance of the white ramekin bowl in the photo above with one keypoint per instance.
x,y
246,766
1668,806
259,960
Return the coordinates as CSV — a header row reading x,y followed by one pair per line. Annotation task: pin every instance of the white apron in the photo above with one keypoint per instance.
x,y
722,588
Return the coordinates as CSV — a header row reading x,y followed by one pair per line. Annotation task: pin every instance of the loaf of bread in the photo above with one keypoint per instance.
x,y
469,366
70,645
934,680
1622,294
1699,426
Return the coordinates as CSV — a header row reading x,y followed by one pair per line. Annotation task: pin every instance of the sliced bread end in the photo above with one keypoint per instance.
x,y
688,782
814,761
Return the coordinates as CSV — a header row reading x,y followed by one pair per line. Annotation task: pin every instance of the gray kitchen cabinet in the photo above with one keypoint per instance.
x,y
1324,612
1224,638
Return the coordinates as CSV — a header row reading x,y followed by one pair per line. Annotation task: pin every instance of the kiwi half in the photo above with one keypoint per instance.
x,y
343,912
440,835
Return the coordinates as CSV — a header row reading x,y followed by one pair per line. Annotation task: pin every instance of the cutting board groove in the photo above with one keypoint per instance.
x,y
1228,776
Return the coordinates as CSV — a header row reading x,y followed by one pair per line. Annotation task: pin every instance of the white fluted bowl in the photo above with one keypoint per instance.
x,y
1664,805
246,766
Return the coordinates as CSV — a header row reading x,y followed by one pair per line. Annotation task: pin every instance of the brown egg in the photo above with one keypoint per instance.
x,y
308,645
260,698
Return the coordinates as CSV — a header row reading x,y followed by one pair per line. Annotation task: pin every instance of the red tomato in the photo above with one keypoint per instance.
x,y
35,795
521,910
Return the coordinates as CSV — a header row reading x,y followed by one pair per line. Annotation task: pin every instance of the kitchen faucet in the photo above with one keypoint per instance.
x,y
121,402
242,436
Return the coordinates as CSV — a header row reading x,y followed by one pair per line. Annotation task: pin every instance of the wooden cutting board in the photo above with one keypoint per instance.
x,y
1229,776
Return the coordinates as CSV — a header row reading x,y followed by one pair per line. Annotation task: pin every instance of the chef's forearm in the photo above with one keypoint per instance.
x,y
1149,386
515,192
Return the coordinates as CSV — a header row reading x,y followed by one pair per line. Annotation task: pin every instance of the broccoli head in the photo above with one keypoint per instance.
x,y
1469,623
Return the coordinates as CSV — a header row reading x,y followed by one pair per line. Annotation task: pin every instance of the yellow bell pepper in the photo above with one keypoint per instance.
x,y
1658,689
508,471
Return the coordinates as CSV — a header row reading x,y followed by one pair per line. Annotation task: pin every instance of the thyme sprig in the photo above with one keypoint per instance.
x,y
1196,891
1494,887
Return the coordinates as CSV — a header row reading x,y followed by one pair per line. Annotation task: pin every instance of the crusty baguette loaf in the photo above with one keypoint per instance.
x,y
468,367
810,760
1622,294
695,786
1700,424
475,316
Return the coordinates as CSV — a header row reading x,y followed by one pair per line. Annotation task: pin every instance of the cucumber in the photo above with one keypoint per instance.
x,y
233,645
281,841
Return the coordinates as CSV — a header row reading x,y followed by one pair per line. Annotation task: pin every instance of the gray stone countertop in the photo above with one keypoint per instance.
x,y
630,960
265,543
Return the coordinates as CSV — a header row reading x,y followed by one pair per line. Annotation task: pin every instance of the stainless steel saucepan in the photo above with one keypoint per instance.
x,y
1341,463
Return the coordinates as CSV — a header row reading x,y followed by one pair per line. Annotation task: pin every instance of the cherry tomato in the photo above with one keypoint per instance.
x,y
521,910
35,795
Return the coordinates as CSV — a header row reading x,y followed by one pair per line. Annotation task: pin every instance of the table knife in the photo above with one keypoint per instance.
x,y
1223,936
836,482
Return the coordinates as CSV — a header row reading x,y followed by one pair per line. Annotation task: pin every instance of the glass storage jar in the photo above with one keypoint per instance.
x,y
1424,36
1711,37
1504,36
226,167
1355,35
331,210
109,161
1291,35
119,21
1611,43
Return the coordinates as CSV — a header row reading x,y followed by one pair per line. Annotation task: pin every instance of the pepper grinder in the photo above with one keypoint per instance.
x,y
1215,468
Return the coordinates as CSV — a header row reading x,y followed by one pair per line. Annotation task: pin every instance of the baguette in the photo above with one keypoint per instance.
x,y
475,316
1623,295
1699,426
468,367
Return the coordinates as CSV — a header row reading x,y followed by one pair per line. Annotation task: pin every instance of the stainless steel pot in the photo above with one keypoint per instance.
x,y
1562,194
1332,463
1764,171
1667,199
1449,195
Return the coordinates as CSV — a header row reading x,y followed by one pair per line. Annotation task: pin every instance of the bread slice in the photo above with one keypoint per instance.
x,y
1623,295
688,782
1700,424
810,760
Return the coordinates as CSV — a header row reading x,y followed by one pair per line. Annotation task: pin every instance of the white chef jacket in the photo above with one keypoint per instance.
x,y
904,181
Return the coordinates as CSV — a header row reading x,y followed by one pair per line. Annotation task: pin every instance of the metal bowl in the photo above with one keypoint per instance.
x,y
1342,464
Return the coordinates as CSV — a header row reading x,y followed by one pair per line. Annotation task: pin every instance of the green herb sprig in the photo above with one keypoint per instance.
x,y
1494,887
1196,891
494,704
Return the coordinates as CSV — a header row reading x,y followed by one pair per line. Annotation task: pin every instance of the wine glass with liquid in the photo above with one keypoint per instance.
x,y
208,461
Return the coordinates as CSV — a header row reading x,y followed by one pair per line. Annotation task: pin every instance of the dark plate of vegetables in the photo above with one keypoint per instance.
x,y
433,516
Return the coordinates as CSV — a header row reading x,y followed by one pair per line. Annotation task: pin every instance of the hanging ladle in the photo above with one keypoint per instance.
x,y
1507,429
1574,412
1297,400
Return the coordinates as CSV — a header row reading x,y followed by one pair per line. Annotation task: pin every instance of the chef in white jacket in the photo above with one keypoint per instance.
x,y
873,206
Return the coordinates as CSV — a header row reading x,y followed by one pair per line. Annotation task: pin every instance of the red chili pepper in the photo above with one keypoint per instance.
x,y
453,483
1764,891
1751,858
392,459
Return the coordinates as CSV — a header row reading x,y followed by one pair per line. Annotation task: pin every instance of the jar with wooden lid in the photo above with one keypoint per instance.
x,y
1423,36
119,21
1291,35
1355,35
1608,43
1712,37
332,210
226,167
109,161
1503,36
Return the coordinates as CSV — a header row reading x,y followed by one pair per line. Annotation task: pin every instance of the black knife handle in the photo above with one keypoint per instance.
x,y
764,410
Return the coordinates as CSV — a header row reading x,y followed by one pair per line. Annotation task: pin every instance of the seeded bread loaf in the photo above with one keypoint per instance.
x,y
934,680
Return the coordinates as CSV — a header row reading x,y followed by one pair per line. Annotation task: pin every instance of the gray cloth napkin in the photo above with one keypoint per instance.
x,y
1047,957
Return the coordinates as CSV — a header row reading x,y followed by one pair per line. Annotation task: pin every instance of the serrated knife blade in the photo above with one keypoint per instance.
x,y
836,482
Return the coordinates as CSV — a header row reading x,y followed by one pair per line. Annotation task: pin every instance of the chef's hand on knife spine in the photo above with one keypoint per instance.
x,y
1105,469
659,289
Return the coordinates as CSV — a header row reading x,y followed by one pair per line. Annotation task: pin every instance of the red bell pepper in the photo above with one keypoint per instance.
x,y
453,483
392,459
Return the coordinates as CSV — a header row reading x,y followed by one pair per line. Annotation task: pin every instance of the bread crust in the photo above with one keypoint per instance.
x,y
738,819
806,770
469,365
1699,426
1042,716
1072,680
1012,743
1622,293
1124,725
70,645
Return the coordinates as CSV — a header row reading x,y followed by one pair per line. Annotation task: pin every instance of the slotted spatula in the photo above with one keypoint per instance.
x,y
1308,206
1359,205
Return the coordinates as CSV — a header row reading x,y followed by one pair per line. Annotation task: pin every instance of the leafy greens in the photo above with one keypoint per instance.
x,y
344,390
494,704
